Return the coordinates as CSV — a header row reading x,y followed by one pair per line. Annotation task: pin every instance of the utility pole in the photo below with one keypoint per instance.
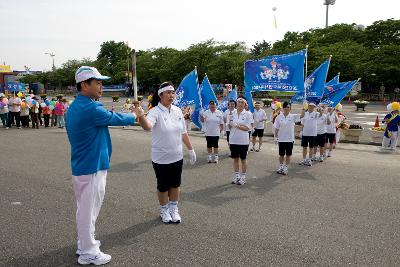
x,y
134,77
52,57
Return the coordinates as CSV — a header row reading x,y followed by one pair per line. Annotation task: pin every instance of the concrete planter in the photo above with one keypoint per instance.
x,y
352,135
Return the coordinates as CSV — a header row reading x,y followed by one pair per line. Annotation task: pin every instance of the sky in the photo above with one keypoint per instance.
x,y
74,29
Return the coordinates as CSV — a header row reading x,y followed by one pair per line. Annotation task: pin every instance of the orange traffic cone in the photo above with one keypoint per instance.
x,y
376,121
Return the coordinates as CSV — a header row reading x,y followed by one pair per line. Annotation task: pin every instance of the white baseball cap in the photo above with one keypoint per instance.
x,y
85,73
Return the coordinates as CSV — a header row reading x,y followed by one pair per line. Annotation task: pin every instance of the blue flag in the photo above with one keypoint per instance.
x,y
284,73
196,116
314,85
337,92
335,80
206,94
187,93
249,99
233,95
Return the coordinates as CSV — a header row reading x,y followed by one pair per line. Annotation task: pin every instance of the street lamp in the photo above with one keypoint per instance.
x,y
52,57
327,3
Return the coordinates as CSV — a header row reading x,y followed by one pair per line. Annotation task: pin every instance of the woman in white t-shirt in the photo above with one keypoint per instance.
x,y
239,125
321,135
332,120
168,133
213,120
284,136
309,122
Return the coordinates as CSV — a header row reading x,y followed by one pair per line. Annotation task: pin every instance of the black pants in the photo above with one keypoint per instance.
x,y
11,117
25,121
46,118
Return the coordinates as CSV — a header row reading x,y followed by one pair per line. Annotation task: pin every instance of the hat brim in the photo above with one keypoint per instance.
x,y
102,78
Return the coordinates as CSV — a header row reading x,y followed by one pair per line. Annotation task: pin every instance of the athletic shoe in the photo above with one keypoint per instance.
x,y
321,158
314,158
216,158
329,154
258,150
19,128
209,159
285,170
242,180
303,162
7,128
98,259
165,215
235,178
308,162
280,169
252,149
174,212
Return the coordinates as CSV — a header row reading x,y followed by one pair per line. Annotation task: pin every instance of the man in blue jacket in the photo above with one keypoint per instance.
x,y
87,128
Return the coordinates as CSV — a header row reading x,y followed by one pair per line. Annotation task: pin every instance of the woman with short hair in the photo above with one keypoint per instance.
x,y
213,121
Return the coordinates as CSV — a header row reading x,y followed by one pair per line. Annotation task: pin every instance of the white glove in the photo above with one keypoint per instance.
x,y
276,140
192,156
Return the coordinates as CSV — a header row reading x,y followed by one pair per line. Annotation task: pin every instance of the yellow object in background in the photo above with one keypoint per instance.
x,y
396,106
5,68
278,104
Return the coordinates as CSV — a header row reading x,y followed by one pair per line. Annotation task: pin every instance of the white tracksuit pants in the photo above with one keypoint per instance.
x,y
89,194
390,142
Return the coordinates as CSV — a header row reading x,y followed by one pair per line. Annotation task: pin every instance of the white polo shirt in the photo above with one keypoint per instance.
x,y
331,128
321,123
14,100
285,126
259,115
310,123
237,136
212,122
166,135
228,113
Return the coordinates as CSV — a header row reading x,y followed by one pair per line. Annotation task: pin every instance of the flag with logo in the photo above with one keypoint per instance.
x,y
206,93
337,92
187,93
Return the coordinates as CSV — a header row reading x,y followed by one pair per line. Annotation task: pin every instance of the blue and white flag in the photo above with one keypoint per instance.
x,y
187,93
249,99
335,80
337,92
206,94
284,73
314,85
233,94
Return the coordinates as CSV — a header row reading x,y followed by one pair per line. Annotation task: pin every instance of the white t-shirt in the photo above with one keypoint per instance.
x,y
15,100
331,128
166,137
285,126
321,123
212,122
258,116
310,123
237,136
227,113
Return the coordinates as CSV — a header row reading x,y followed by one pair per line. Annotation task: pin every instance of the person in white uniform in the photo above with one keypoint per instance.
x,y
332,120
228,113
320,140
259,117
213,119
239,125
284,136
309,121
168,133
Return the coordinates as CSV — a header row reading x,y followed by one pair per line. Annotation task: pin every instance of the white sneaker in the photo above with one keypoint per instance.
x,y
216,158
209,158
308,162
314,158
165,215
235,178
252,149
303,162
329,154
242,180
321,158
174,212
285,170
280,169
98,259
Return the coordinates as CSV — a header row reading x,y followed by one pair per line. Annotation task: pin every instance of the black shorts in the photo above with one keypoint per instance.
x,y
320,140
227,136
258,132
330,137
212,141
239,151
308,141
168,175
285,148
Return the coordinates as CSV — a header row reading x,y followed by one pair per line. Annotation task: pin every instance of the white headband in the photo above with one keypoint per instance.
x,y
240,98
166,88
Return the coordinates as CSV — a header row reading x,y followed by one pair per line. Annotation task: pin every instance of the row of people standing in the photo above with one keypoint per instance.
x,y
21,111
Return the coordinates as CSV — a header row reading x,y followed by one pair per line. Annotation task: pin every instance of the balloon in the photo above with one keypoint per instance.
x,y
19,94
278,104
395,105
28,99
305,105
52,102
51,107
43,105
33,102
47,102
389,107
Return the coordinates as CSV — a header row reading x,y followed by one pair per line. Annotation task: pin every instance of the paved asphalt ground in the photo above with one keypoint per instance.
x,y
344,211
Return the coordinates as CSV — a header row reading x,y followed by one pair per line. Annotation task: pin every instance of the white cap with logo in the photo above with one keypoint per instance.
x,y
85,73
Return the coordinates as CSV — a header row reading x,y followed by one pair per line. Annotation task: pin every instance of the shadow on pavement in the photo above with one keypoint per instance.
x,y
66,256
